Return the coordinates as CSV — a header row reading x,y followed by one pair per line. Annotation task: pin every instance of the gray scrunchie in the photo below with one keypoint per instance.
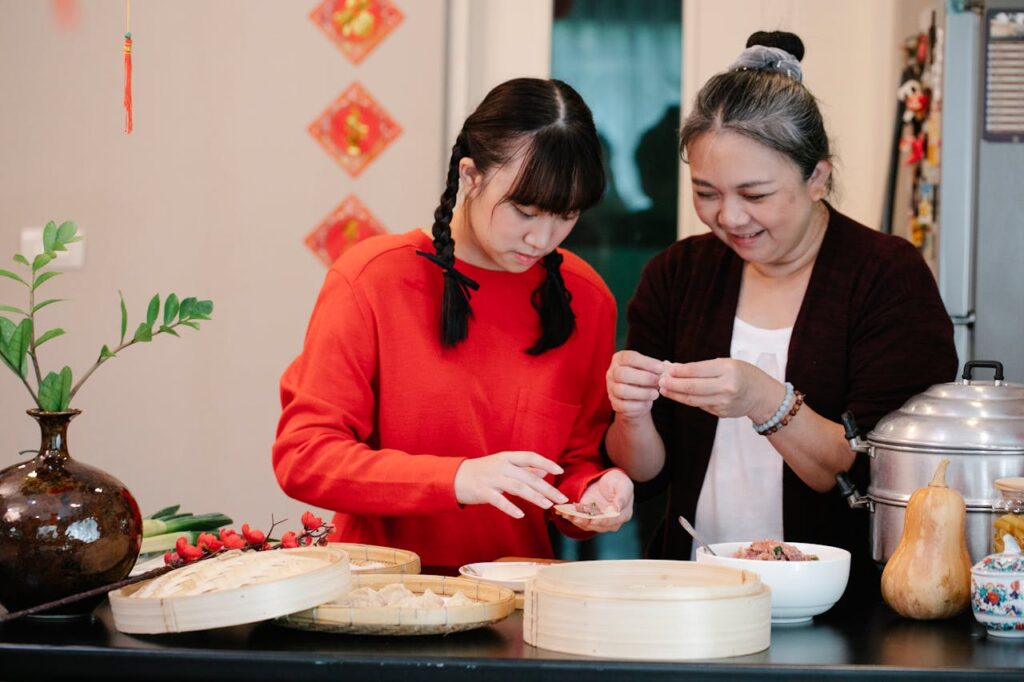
x,y
763,58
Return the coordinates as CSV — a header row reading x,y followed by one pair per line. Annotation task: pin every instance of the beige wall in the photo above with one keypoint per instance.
x,y
489,42
211,196
214,191
852,65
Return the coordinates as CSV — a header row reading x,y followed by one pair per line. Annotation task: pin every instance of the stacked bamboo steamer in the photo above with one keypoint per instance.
x,y
668,610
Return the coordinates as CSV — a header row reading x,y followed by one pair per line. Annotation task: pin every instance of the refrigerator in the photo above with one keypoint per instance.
x,y
980,236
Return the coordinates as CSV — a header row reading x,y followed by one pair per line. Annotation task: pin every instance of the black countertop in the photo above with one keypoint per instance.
x,y
875,644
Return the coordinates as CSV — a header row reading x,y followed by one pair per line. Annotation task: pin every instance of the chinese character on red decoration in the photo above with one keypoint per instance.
x,y
346,225
356,26
354,129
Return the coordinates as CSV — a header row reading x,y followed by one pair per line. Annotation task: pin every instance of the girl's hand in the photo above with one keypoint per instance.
x,y
486,480
724,387
632,381
611,492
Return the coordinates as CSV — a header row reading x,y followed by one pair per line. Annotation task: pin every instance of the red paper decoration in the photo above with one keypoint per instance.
x,y
66,13
346,225
356,26
354,129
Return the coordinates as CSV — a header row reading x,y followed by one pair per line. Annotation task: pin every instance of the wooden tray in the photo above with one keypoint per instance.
x,y
668,610
496,603
236,587
396,560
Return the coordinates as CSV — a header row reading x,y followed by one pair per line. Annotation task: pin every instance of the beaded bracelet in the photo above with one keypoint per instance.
x,y
789,415
787,403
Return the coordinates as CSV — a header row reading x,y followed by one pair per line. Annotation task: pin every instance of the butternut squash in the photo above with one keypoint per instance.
x,y
929,573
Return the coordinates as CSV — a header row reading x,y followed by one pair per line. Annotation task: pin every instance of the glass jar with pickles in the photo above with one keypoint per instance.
x,y
1011,508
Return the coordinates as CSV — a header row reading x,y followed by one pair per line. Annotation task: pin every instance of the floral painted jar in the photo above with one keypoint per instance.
x,y
996,596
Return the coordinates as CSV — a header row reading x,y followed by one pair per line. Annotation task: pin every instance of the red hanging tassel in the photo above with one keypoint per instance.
x,y
127,82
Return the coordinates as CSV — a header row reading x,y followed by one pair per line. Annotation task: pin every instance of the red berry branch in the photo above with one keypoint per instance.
x,y
314,532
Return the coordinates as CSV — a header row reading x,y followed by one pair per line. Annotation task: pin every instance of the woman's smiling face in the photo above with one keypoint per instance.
x,y
754,198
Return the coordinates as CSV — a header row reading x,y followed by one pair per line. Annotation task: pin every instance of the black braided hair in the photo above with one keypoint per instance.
x,y
561,174
455,308
552,301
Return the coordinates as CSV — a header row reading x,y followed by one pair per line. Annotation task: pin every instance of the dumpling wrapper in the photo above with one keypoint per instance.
x,y
569,509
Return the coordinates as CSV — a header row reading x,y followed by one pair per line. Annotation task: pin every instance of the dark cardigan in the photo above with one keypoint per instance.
x,y
871,332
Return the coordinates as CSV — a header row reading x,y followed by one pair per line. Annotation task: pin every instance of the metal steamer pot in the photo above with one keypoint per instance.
x,y
977,425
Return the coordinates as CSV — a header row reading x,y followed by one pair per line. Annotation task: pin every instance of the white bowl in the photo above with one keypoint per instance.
x,y
800,589
510,574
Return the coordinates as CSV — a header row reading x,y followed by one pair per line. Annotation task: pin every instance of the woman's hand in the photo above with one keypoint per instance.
x,y
632,381
486,480
611,492
724,387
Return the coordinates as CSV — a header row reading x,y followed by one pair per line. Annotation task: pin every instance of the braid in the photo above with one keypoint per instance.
x,y
455,308
443,242
553,302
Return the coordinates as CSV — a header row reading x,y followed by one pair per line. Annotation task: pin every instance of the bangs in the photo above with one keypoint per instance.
x,y
560,173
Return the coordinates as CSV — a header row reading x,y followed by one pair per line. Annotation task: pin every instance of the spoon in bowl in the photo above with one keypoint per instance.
x,y
693,532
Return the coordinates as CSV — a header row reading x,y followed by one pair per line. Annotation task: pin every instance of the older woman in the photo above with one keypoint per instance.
x,y
748,343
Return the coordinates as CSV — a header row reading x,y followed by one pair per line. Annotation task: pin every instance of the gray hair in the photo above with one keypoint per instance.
x,y
765,58
765,103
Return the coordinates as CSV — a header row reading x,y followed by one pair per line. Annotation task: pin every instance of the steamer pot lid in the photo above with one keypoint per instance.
x,y
967,414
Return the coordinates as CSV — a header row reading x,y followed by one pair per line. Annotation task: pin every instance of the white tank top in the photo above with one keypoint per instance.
x,y
741,499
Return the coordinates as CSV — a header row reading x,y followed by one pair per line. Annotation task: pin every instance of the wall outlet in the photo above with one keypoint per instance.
x,y
32,244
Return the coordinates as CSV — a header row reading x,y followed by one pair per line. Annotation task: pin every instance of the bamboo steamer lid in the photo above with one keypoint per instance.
x,y
639,609
232,588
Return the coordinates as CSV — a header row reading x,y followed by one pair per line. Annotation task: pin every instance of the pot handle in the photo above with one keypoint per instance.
x,y
853,434
850,424
991,364
846,487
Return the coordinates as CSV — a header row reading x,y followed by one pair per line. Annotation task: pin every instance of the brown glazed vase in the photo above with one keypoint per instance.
x,y
65,527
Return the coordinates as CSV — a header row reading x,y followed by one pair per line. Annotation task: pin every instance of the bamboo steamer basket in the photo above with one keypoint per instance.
x,y
640,609
231,589
394,560
495,604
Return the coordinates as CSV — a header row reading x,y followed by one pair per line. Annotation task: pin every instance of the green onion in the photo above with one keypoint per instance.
x,y
166,511
180,523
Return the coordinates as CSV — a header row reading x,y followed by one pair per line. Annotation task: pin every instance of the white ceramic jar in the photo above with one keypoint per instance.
x,y
996,596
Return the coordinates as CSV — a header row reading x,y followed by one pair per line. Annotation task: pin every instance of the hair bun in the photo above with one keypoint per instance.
x,y
783,40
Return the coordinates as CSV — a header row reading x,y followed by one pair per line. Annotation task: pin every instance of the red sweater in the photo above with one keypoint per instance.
x,y
377,415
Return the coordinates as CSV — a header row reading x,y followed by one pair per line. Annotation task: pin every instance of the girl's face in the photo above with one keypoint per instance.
x,y
496,234
755,199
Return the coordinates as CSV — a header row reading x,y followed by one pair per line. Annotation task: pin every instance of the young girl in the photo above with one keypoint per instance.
x,y
451,386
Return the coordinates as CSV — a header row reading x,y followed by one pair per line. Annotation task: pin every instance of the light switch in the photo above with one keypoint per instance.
x,y
32,245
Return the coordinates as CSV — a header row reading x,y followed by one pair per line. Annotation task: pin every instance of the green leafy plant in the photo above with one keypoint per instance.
x,y
19,343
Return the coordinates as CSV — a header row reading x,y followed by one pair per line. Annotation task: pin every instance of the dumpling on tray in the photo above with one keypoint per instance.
x,y
398,595
395,594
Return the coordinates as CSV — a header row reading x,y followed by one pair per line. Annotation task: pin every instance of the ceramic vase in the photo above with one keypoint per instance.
x,y
65,527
